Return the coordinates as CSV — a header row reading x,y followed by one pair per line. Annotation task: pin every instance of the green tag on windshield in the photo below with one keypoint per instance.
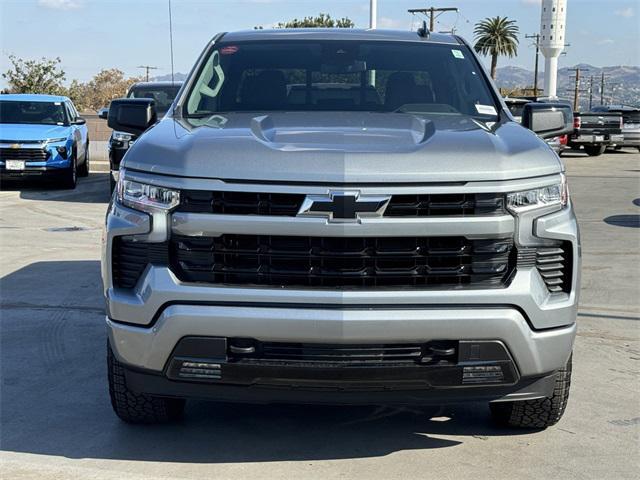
x,y
457,53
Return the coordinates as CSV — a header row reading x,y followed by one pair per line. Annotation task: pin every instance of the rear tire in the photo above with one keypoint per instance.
x,y
134,407
594,150
540,413
83,170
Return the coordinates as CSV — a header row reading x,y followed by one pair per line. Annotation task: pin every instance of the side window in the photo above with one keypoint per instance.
x,y
70,112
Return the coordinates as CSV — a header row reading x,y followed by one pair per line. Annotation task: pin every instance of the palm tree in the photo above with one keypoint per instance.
x,y
496,36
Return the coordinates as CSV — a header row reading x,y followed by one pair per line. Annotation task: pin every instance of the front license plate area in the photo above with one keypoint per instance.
x,y
14,164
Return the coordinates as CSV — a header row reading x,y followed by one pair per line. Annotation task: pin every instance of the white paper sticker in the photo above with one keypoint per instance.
x,y
57,103
457,53
486,110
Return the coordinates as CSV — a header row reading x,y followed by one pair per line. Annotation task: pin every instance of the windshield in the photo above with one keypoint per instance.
x,y
37,113
163,95
341,76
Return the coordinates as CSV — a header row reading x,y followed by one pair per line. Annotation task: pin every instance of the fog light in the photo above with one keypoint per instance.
x,y
483,374
200,369
62,151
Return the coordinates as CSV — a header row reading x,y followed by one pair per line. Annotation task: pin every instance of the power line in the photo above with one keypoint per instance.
x,y
170,43
576,90
432,13
535,71
147,68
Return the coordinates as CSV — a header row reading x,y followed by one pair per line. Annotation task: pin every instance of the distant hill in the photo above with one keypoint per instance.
x,y
178,77
622,83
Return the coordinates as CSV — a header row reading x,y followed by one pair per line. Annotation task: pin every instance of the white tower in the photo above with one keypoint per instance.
x,y
552,40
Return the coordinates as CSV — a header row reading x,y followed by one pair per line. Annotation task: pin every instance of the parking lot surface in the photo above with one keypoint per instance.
x,y
56,421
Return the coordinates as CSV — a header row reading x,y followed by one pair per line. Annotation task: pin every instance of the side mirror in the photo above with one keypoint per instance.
x,y
79,121
132,115
548,119
103,113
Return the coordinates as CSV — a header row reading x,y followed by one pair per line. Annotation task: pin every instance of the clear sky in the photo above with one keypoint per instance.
x,y
93,34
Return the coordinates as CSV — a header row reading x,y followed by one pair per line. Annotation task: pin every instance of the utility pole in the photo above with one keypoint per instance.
x,y
431,13
576,91
535,70
590,92
602,89
147,68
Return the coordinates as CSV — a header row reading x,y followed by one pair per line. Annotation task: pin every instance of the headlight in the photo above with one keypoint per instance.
x,y
55,140
557,194
122,136
145,197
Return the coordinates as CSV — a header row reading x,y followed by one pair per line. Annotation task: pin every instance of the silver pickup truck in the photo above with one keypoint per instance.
x,y
340,216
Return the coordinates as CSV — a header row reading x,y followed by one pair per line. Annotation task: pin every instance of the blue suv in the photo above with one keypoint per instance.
x,y
42,135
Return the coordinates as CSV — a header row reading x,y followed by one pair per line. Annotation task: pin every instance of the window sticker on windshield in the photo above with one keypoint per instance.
x,y
230,50
57,104
486,110
457,53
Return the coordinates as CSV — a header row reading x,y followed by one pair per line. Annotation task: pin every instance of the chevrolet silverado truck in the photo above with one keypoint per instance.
x,y
163,93
595,131
346,217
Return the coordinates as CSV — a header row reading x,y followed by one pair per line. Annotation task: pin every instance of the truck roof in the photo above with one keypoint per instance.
x,y
337,34
33,97
164,83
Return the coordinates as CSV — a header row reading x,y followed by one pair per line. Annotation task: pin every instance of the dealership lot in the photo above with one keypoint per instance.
x,y
57,421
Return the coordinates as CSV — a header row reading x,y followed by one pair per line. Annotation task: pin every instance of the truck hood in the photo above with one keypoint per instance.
x,y
16,132
340,147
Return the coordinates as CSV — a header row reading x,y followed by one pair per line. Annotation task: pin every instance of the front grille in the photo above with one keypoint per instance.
x,y
434,352
288,204
335,262
27,154
464,204
302,352
554,264
129,259
240,203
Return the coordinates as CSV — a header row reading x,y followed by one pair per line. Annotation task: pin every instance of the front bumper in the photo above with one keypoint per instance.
x,y
146,323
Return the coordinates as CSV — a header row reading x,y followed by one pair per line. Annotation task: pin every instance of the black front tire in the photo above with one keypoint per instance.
x,y
70,175
83,170
134,407
112,182
595,150
540,413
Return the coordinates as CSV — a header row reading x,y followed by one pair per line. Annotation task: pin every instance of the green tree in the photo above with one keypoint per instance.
x,y
102,88
323,20
35,76
496,36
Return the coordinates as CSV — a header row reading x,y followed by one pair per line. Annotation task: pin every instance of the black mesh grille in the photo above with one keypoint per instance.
x,y
554,263
342,262
445,205
27,154
129,259
285,204
240,203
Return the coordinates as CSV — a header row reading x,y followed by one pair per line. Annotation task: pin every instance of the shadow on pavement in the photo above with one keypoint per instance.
x,y
92,189
54,398
632,221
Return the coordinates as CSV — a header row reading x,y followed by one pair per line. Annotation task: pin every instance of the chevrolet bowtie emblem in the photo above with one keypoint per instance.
x,y
15,145
344,206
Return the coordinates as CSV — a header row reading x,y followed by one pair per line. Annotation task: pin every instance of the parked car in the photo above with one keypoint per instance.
x,y
516,107
410,247
162,93
630,123
596,131
42,136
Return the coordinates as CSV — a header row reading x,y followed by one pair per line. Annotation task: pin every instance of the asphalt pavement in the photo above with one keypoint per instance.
x,y
56,421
